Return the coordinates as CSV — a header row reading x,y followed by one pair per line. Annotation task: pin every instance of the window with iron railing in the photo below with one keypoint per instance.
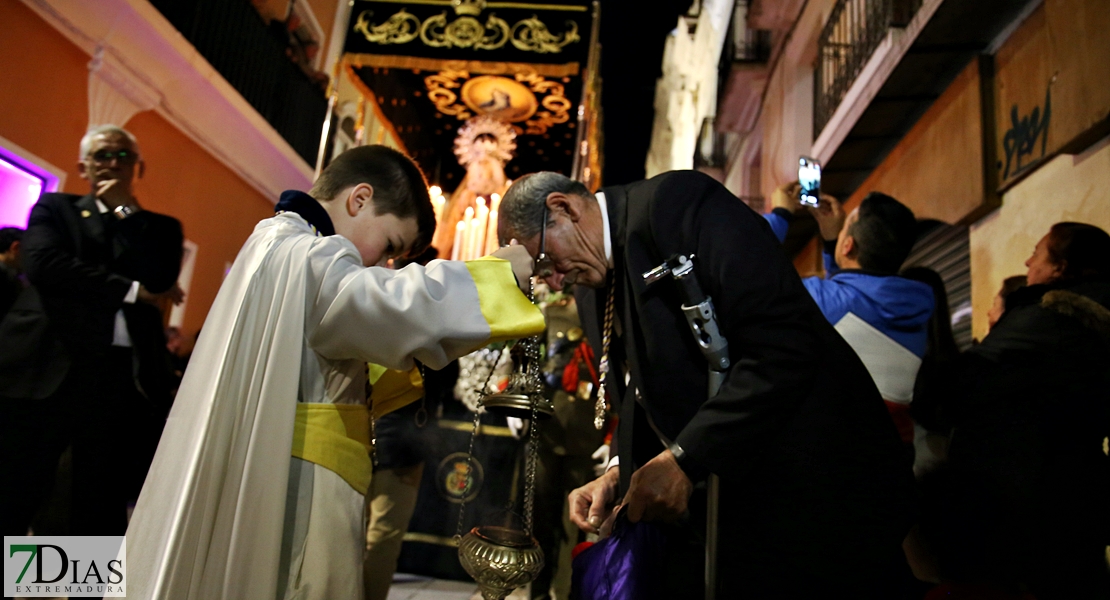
x,y
255,59
854,29
744,44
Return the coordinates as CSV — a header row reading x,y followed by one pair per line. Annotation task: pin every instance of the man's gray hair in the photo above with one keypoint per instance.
x,y
91,134
520,213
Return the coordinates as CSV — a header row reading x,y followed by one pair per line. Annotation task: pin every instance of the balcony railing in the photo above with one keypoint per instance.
x,y
231,35
854,29
744,44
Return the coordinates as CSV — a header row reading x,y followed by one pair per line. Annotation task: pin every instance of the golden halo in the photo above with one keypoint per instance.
x,y
500,97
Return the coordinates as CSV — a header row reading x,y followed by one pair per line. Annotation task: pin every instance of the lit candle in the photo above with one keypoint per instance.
x,y
468,234
437,206
456,248
474,238
491,233
483,219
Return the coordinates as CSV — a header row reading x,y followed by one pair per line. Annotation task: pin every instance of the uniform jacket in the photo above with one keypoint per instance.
x,y
80,274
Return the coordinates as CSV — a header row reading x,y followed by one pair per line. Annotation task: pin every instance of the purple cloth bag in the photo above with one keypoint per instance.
x,y
627,565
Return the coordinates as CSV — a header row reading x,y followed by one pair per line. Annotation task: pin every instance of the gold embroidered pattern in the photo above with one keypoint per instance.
x,y
501,97
464,32
555,102
440,92
531,35
401,28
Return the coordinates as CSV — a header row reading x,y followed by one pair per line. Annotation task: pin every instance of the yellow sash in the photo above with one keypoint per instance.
x,y
336,437
394,389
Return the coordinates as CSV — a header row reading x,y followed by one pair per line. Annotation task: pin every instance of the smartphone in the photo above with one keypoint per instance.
x,y
809,176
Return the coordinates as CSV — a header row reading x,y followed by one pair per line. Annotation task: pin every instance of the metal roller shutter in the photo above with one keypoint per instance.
x,y
946,250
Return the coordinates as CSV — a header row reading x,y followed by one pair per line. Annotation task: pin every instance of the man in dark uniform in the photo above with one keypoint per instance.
x,y
12,281
84,359
815,495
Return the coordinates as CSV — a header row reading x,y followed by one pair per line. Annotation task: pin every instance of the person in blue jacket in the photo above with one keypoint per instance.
x,y
882,316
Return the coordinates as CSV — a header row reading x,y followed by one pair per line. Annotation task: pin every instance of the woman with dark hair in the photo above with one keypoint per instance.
x,y
1022,502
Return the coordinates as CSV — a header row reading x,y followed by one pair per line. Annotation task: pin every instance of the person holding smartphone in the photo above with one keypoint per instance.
x,y
883,317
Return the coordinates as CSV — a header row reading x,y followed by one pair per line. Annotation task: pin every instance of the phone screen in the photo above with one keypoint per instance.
x,y
809,176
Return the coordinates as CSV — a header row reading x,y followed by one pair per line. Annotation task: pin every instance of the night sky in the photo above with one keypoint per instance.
x,y
632,37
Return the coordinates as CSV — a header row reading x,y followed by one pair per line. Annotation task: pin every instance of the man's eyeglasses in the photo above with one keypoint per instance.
x,y
545,267
125,157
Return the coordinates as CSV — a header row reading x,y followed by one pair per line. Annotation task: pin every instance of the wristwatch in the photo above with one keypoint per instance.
x,y
694,471
123,211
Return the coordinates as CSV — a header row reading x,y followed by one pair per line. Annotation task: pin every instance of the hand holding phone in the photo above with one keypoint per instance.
x,y
809,178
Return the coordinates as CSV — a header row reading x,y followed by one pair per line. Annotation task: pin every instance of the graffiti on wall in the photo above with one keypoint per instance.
x,y
1020,140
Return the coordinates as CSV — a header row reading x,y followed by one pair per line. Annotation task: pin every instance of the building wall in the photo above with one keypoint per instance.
x,y
786,114
41,112
217,209
1067,188
43,92
937,168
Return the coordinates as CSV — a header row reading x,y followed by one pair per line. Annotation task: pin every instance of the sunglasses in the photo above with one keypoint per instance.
x,y
545,267
125,157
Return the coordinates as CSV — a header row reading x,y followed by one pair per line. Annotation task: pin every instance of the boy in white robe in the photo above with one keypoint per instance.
x,y
258,486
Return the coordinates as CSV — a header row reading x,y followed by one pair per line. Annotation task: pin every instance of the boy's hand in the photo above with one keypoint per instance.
x,y
522,264
786,196
829,216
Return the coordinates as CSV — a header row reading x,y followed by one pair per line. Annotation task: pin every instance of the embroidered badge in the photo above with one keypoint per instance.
x,y
456,482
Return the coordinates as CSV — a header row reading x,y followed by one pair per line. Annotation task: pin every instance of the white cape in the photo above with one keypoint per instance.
x,y
209,518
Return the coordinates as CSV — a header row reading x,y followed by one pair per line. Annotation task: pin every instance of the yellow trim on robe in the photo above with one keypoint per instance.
x,y
394,389
375,372
509,313
336,437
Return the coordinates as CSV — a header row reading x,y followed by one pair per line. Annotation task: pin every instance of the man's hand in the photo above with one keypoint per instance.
x,y
659,490
112,193
829,216
592,504
174,294
522,264
786,196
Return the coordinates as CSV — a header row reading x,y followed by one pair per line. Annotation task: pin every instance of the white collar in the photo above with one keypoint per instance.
x,y
605,227
100,206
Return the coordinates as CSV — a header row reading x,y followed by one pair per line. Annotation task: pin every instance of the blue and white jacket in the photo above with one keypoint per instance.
x,y
884,318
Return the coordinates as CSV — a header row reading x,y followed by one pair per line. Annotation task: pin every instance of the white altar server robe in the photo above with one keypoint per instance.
x,y
297,318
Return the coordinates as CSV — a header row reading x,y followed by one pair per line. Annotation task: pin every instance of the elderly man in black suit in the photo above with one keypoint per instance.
x,y
815,494
84,363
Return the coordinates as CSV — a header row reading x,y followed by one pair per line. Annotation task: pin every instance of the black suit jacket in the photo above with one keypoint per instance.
x,y
808,457
80,274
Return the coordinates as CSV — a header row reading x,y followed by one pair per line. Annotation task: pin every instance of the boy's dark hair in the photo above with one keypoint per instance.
x,y
885,233
399,186
1012,284
1083,249
8,236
